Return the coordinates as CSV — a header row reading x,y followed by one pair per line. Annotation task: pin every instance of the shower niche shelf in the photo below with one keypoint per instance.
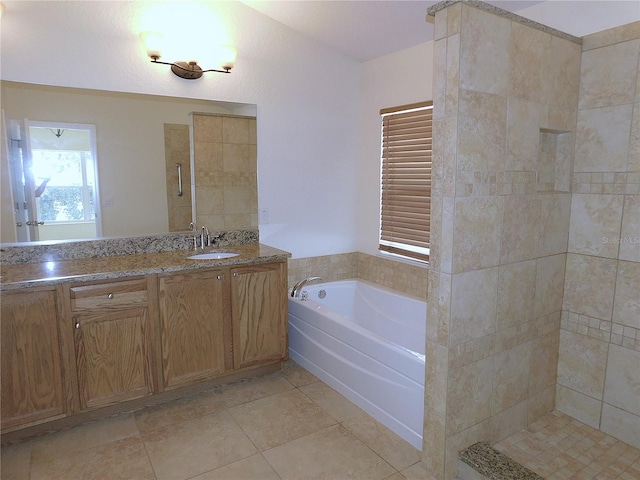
x,y
555,153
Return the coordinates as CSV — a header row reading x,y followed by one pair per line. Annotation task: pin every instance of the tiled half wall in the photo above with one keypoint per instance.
x,y
403,277
534,280
505,106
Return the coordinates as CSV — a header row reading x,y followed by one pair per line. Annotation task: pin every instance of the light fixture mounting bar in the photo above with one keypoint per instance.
x,y
188,70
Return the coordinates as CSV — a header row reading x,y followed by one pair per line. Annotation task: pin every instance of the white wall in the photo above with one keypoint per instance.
x,y
583,17
308,100
318,125
396,79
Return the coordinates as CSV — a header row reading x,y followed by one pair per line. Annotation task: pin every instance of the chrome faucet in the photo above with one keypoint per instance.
x,y
192,228
205,239
295,291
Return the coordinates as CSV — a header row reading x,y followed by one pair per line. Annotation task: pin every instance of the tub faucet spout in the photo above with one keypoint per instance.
x,y
295,291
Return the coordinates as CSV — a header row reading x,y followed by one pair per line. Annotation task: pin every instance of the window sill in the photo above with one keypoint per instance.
x,y
401,259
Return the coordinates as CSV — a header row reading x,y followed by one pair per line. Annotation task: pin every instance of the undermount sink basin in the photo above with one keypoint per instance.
x,y
213,256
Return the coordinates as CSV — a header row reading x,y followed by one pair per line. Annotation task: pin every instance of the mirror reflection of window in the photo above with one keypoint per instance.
x,y
59,178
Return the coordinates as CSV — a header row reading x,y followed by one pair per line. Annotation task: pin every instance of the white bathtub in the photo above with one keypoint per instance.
x,y
367,342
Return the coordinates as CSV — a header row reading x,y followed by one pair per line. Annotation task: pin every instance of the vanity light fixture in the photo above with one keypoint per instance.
x,y
189,70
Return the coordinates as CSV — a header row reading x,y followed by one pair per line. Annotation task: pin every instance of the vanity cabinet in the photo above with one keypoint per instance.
x,y
32,383
259,314
113,341
79,350
220,321
194,326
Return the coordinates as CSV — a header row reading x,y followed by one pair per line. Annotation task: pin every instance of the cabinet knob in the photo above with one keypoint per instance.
x,y
77,324
110,296
235,274
220,277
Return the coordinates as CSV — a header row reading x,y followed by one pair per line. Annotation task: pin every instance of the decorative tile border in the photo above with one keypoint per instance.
x,y
472,183
616,333
479,183
617,183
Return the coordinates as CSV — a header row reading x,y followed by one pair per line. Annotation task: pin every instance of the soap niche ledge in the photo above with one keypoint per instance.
x,y
555,153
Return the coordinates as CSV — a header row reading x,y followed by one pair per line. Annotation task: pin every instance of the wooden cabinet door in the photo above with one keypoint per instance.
x,y
194,323
259,309
112,357
32,382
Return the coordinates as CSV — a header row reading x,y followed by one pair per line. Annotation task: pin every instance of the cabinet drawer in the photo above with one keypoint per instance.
x,y
106,296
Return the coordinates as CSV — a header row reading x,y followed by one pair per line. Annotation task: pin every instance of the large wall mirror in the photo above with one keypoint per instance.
x,y
64,147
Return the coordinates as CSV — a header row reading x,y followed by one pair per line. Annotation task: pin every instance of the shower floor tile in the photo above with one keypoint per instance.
x,y
559,447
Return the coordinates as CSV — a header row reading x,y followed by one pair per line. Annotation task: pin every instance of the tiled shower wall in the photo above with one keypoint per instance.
x,y
226,171
599,361
505,104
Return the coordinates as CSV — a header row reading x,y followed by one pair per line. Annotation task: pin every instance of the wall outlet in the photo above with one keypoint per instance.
x,y
263,216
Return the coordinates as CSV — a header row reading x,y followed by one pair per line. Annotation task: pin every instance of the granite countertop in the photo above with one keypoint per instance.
x,y
25,275
494,465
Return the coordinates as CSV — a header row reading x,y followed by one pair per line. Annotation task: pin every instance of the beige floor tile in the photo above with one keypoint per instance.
x,y
297,375
124,459
395,450
277,419
417,472
179,411
254,389
16,461
332,453
190,448
252,468
396,476
84,436
331,401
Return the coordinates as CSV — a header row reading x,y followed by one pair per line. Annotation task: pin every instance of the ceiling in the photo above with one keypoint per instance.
x,y
367,29
360,29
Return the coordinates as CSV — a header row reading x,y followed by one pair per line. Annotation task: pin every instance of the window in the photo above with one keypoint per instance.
x,y
406,180
62,171
65,180
55,180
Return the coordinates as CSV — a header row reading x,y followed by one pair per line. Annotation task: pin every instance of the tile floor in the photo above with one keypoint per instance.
x,y
559,447
287,425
